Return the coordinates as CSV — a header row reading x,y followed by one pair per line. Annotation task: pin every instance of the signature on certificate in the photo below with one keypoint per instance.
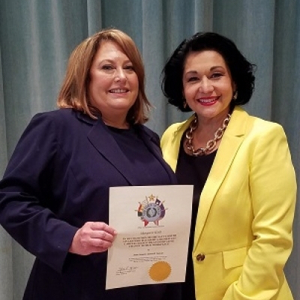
x,y
125,270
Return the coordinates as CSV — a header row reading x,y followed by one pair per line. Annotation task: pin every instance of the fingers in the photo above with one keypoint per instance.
x,y
97,227
92,237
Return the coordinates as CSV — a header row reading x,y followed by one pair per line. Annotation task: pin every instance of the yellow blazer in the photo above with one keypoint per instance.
x,y
243,234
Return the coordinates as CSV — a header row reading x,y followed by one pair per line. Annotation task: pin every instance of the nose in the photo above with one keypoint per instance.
x,y
206,85
120,75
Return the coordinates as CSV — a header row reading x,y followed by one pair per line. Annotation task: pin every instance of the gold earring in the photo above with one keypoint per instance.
x,y
184,103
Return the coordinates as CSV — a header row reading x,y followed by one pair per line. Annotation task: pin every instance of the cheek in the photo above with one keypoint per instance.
x,y
228,85
134,85
100,84
189,92
92,90
96,91
229,90
134,81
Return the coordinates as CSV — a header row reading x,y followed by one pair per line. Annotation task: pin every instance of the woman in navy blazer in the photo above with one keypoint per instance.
x,y
55,190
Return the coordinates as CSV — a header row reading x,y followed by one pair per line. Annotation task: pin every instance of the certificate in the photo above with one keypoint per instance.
x,y
153,227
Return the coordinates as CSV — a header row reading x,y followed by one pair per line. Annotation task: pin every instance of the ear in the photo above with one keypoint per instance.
x,y
234,86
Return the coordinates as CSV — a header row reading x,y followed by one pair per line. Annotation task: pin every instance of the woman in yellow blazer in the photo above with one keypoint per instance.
x,y
241,169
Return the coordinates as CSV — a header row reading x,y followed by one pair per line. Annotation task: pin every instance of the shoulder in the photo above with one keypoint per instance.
x,y
63,118
173,128
262,138
176,130
265,128
242,122
50,116
55,115
59,125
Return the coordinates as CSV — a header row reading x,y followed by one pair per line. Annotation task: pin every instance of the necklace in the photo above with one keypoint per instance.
x,y
211,144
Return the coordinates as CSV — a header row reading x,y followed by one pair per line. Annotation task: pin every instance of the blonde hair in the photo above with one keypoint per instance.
x,y
74,90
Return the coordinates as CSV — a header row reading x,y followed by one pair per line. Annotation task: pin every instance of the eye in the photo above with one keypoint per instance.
x,y
129,68
216,75
107,67
193,78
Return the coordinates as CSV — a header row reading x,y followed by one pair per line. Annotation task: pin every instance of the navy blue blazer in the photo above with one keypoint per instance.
x,y
57,179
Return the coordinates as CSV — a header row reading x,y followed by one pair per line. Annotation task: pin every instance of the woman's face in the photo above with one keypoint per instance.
x,y
207,84
114,85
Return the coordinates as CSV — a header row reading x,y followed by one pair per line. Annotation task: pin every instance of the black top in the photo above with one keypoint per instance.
x,y
192,170
142,161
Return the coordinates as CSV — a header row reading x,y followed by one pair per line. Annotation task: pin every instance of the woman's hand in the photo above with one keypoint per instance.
x,y
92,237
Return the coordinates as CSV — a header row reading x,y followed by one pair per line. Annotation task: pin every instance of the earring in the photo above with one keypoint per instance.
x,y
184,103
235,95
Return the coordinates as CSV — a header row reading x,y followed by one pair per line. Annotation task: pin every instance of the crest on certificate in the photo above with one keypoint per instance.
x,y
151,210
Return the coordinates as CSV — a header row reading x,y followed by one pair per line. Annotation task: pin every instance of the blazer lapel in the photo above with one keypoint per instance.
x,y
103,141
231,141
106,145
148,137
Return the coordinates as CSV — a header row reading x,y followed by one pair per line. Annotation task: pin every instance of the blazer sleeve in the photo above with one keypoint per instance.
x,y
26,206
273,194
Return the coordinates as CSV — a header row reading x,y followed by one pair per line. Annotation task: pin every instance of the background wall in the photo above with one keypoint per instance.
x,y
37,36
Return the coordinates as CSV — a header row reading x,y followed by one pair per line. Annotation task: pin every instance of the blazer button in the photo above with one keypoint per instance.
x,y
200,257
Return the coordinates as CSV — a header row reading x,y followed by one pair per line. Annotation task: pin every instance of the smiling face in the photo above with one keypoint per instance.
x,y
114,86
207,84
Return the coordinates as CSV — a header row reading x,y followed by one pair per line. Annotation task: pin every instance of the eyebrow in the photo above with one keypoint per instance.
x,y
191,72
211,69
108,60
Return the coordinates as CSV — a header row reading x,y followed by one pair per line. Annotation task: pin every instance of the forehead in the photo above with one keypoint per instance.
x,y
110,50
205,58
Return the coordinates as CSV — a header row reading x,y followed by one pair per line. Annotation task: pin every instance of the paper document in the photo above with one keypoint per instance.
x,y
153,226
